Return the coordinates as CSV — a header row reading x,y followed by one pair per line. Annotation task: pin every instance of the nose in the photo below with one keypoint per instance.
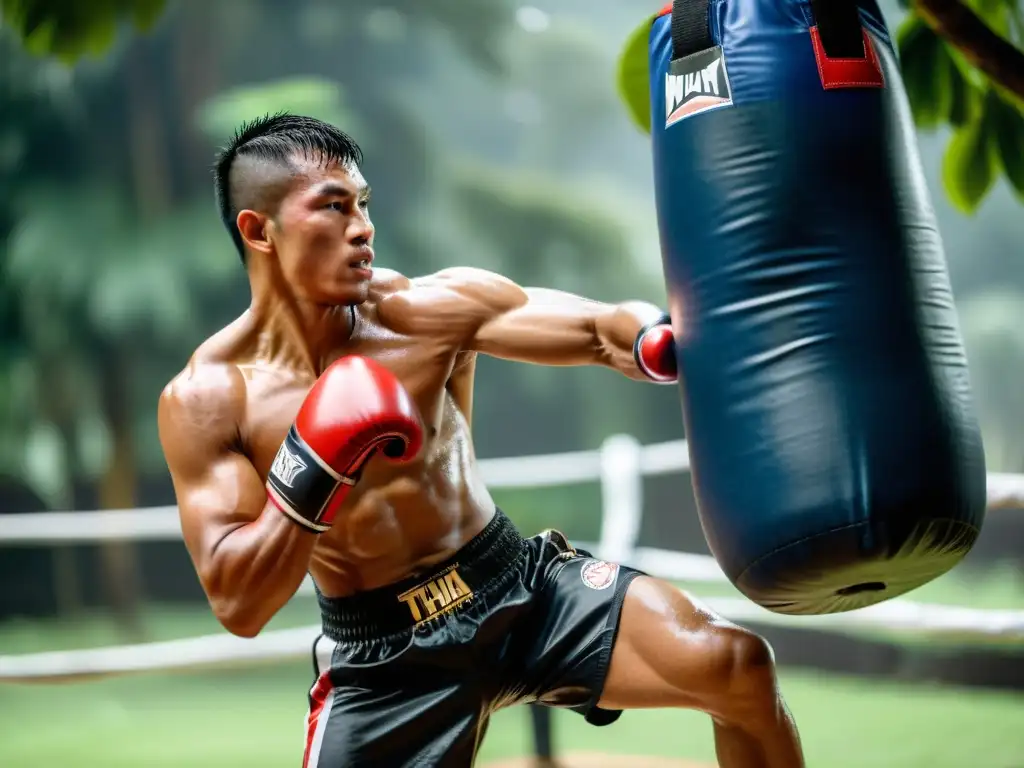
x,y
360,229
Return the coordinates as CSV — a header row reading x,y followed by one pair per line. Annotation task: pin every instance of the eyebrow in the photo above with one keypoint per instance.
x,y
333,189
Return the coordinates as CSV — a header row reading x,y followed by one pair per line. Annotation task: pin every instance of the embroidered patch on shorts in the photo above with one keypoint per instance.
x,y
599,574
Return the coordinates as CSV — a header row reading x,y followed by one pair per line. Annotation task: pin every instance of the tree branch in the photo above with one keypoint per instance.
x,y
997,57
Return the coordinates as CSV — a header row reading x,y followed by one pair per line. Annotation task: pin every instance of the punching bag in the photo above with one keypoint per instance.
x,y
836,457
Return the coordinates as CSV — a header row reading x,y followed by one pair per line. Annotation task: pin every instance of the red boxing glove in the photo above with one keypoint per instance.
x,y
655,351
355,408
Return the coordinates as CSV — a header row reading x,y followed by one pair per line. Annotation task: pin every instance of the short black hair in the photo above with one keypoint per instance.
x,y
267,146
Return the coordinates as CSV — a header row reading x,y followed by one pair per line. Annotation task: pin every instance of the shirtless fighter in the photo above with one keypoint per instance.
x,y
328,430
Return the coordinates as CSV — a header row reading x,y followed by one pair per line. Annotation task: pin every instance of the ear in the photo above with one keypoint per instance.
x,y
253,227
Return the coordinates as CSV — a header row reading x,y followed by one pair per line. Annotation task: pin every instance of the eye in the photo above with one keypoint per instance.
x,y
364,203
334,206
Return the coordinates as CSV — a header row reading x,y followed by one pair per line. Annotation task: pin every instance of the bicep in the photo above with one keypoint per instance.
x,y
226,495
216,486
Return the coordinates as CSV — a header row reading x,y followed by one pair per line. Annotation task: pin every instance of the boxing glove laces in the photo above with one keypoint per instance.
x,y
356,408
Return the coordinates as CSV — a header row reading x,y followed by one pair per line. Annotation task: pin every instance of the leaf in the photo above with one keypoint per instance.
x,y
316,97
633,78
995,14
100,36
146,13
72,29
928,72
968,168
1007,126
964,96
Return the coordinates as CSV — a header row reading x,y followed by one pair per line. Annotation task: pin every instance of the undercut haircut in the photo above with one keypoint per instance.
x,y
256,167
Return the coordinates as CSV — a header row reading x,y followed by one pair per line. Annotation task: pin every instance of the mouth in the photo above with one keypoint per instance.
x,y
363,260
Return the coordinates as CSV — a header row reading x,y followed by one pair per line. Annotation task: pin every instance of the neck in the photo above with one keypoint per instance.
x,y
292,329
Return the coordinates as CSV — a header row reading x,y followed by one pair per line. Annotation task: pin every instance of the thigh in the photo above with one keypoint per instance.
x,y
673,651
392,729
355,722
572,631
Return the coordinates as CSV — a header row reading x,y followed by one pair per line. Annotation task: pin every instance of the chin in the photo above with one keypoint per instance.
x,y
350,293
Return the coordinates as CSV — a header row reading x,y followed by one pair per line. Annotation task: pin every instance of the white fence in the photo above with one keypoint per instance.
x,y
619,466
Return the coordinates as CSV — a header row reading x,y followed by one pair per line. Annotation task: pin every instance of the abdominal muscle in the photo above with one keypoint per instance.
x,y
399,521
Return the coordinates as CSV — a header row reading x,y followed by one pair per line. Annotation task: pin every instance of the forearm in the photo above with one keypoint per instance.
x,y
255,569
616,331
549,327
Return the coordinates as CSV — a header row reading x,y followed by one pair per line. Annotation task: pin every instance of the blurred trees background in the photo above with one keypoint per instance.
x,y
493,137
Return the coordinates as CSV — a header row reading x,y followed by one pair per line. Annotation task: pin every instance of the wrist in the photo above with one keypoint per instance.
x,y
303,487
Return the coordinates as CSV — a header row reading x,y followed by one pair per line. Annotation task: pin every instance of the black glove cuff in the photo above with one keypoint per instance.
x,y
301,485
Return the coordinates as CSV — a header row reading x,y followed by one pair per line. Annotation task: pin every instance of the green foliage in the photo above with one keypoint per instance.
x,y
633,76
475,27
990,142
317,97
937,88
70,29
1007,127
969,168
987,124
87,279
93,268
545,224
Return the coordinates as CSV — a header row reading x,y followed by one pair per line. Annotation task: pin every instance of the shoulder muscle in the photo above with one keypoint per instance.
x,y
454,302
199,415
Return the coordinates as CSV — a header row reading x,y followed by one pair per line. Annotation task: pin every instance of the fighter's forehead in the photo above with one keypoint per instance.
x,y
318,179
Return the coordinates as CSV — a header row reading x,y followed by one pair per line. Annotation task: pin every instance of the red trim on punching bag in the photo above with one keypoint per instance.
x,y
864,72
665,11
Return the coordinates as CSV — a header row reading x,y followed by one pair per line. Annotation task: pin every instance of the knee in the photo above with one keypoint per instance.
x,y
745,671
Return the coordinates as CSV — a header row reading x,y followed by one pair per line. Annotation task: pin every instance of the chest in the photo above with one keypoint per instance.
x,y
274,396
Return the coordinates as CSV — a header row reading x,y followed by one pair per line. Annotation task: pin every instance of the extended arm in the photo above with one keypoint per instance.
x,y
250,558
536,325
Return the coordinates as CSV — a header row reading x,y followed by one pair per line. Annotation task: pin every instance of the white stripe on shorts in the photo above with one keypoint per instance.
x,y
318,736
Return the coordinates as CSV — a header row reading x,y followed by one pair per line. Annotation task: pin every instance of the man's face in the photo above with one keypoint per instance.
x,y
324,237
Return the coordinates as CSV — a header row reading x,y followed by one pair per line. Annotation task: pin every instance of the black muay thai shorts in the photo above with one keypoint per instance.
x,y
409,674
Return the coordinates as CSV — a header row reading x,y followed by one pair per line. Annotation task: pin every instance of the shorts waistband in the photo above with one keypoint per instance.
x,y
483,564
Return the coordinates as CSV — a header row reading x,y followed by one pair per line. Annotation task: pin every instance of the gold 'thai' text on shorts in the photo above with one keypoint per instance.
x,y
439,595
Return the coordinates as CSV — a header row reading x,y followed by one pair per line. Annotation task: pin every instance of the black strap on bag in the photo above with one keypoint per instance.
x,y
839,28
838,24
691,28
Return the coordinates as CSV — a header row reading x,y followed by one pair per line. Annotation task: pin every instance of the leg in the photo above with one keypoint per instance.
x,y
357,720
672,652
359,728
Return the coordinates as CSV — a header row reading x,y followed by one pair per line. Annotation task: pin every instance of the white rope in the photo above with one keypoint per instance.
x,y
541,471
618,466
224,650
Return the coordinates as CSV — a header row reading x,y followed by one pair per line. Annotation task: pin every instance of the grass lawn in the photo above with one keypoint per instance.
x,y
254,717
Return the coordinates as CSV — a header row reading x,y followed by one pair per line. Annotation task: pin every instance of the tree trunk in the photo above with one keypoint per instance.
x,y
998,58
65,561
59,406
153,192
149,148
196,60
121,576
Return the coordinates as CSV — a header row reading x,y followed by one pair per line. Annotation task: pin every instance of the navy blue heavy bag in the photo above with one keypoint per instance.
x,y
836,456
